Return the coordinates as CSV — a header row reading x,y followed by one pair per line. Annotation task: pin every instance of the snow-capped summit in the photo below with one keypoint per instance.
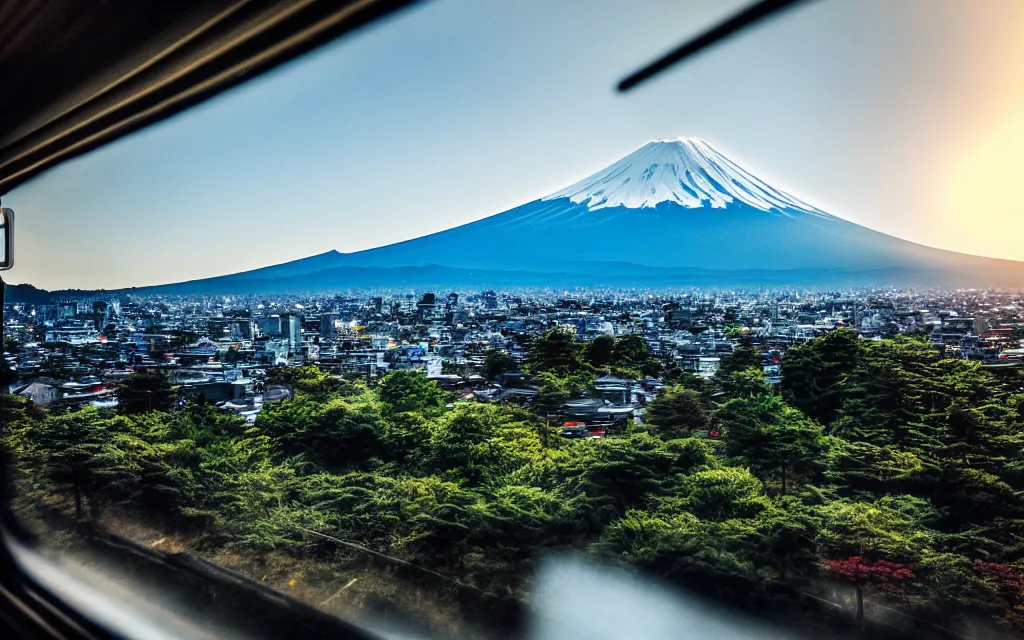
x,y
686,171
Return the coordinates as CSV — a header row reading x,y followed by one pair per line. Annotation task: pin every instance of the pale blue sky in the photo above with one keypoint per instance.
x,y
890,113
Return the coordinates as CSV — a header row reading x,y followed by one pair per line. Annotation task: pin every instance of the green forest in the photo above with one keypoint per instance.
x,y
877,469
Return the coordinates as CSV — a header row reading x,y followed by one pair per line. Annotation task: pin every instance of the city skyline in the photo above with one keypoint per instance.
x,y
388,150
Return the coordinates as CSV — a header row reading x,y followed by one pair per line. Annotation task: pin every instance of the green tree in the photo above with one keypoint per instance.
x,y
862,467
677,412
874,530
16,415
630,350
442,520
405,437
921,469
239,491
1013,440
497,362
687,380
723,494
743,357
616,474
142,391
681,547
812,373
406,390
772,437
337,434
68,449
652,367
558,352
743,383
973,497
479,444
555,390
600,351
786,533
450,367
314,381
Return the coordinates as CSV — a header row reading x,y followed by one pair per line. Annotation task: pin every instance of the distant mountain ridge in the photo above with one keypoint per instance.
x,y
343,279
674,212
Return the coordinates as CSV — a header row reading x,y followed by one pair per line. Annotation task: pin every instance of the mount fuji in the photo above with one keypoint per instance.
x,y
673,212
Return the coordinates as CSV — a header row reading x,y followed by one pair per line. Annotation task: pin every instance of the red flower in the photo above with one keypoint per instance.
x,y
888,576
1001,573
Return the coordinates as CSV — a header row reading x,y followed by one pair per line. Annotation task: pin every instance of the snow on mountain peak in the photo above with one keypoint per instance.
x,y
687,171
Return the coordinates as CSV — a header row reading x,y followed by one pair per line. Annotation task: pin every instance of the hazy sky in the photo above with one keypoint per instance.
x,y
906,116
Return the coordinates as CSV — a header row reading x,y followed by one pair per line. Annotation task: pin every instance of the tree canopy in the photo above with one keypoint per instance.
x,y
142,391
408,391
677,413
881,467
497,362
557,352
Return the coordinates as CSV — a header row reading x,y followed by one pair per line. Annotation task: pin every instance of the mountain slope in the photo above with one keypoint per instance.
x,y
674,211
672,203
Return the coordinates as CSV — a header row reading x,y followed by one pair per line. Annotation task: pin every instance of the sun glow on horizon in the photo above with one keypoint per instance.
x,y
986,191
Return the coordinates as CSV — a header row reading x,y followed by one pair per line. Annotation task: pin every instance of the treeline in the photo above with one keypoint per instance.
x,y
880,465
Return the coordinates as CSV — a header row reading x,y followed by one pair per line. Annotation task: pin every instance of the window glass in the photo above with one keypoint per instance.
x,y
396,326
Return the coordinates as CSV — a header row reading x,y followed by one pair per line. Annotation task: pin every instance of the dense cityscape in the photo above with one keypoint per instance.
x,y
74,353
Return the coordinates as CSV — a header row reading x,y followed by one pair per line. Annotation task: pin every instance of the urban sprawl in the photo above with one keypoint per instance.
x,y
220,349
